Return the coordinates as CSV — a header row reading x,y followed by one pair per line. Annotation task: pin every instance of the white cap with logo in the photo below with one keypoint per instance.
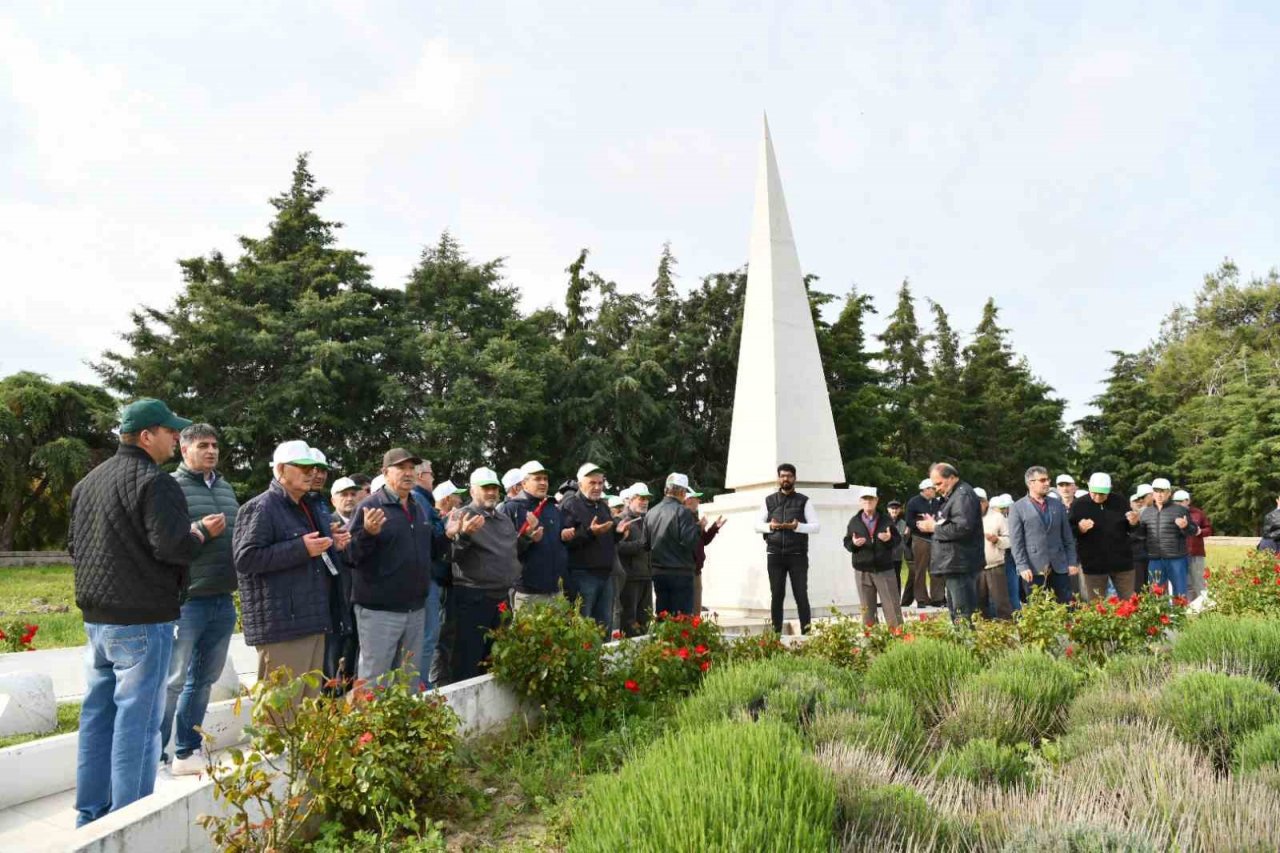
x,y
485,477
588,468
637,490
378,482
680,481
1065,478
292,453
532,467
1100,483
868,492
341,485
513,477
1144,489
444,490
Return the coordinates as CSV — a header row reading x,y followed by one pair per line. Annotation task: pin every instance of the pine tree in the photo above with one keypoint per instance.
x,y
905,375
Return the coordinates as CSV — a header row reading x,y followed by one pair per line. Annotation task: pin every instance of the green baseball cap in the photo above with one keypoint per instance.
x,y
146,413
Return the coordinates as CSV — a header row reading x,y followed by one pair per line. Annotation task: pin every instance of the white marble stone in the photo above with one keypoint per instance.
x,y
27,704
228,684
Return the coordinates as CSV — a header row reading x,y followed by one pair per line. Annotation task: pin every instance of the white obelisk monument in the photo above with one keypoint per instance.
x,y
781,413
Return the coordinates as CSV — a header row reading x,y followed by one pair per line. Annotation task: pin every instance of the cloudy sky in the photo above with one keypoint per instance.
x,y
1085,164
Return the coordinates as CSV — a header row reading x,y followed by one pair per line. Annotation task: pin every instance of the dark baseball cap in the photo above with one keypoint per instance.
x,y
146,413
396,455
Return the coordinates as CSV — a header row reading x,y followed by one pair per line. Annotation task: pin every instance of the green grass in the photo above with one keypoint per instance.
x,y
24,590
68,721
1222,556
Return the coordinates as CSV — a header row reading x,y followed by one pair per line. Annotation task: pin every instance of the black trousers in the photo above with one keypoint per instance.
x,y
780,566
476,613
637,606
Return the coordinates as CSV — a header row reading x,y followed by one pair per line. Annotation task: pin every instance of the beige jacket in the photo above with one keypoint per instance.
x,y
995,522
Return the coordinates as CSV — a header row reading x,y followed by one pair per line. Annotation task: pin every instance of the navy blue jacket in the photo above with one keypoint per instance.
x,y
588,552
543,564
392,571
284,592
441,568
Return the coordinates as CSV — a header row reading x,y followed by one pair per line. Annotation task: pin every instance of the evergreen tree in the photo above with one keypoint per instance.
x,y
905,376
945,406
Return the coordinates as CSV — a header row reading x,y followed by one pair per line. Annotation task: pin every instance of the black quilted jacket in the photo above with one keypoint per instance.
x,y
284,592
130,541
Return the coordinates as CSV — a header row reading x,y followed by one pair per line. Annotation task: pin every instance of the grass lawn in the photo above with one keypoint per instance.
x,y
68,721
27,593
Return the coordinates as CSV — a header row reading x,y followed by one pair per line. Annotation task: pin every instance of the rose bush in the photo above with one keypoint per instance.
x,y
17,636
1252,588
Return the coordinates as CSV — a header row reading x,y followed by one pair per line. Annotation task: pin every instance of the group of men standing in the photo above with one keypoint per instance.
x,y
396,574
975,553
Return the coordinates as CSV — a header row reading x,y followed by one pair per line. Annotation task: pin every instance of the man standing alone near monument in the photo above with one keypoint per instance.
x,y
787,520
131,543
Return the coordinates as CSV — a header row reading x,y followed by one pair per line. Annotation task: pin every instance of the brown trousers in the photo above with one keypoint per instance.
x,y
918,578
299,657
1096,585
993,588
882,585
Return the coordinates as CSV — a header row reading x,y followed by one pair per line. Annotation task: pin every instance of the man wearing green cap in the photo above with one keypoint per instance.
x,y
131,543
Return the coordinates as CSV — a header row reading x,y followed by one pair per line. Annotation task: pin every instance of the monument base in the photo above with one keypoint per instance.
x,y
735,581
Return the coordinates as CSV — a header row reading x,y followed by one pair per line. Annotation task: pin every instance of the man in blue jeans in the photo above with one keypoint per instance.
x,y
672,534
592,544
209,613
131,542
1164,527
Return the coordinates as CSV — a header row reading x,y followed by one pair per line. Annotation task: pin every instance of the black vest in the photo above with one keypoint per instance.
x,y
786,508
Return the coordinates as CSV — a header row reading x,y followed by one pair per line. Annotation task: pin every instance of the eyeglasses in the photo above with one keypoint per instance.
x,y
1041,480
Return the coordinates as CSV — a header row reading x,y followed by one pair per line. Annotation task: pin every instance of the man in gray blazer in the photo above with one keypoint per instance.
x,y
1040,538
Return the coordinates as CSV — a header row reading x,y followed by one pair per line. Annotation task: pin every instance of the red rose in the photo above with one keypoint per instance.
x,y
683,652
586,647
1257,581
1206,574
696,621
700,649
502,607
1101,608
631,685
1158,589
365,738
1180,601
924,617
857,650
906,638
684,635
705,665
2,636
662,614
1113,600
617,635
1071,650
1153,630
1164,619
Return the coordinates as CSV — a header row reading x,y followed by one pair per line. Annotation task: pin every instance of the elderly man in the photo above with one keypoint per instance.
x,y
285,554
956,555
1164,526
543,557
920,586
131,541
692,502
448,498
592,544
1066,488
209,613
391,561
1101,527
1040,538
672,534
786,520
636,607
512,483
871,538
342,643
993,585
433,607
1195,544
485,568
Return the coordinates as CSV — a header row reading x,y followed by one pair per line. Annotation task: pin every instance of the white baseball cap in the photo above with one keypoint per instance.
x,y
868,492
1182,495
927,484
513,477
378,482
1160,484
1066,478
638,490
485,477
588,468
980,492
342,484
680,481
1100,483
292,453
1144,489
1002,501
444,490
319,457
532,467
614,500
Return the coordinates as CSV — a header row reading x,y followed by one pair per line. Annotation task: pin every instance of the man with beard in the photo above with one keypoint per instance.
x,y
786,521
543,558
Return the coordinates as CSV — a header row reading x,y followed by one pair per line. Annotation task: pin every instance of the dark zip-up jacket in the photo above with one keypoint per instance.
x,y
672,533
284,591
633,549
487,559
392,570
1106,547
1164,539
543,564
588,552
957,539
872,555
212,572
130,541
917,506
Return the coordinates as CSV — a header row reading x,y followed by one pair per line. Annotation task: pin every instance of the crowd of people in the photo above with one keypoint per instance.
x,y
368,575
975,553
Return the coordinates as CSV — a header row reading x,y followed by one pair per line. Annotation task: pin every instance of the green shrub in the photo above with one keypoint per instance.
x,y
973,714
1027,692
892,817
793,690
1090,738
926,671
841,640
749,647
1258,749
1240,644
1214,711
1136,670
985,762
1114,702
726,786
1248,588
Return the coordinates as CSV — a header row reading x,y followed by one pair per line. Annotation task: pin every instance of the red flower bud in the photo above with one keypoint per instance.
x,y
705,665
1257,581
586,647
502,607
1206,574
1071,650
696,621
1153,630
1164,618
1158,589
683,652
700,649
365,738
631,685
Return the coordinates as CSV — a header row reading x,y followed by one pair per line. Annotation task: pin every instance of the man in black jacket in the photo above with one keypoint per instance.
x,y
284,557
957,553
131,542
921,587
874,540
633,552
1100,525
786,520
672,534
1164,527
544,560
391,561
592,545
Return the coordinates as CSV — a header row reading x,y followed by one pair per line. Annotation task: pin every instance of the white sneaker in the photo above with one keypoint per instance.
x,y
192,765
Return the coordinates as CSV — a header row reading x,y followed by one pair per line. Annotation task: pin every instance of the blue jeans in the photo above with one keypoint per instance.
x,y
1015,582
125,669
596,592
199,653
430,634
1172,572
962,595
674,593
